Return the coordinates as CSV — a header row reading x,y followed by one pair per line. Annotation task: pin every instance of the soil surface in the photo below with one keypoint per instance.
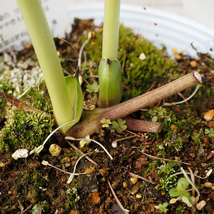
x,y
139,174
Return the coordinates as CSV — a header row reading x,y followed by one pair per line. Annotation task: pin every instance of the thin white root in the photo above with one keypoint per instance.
x,y
40,148
45,163
81,50
208,174
116,198
193,185
183,101
72,174
21,95
72,138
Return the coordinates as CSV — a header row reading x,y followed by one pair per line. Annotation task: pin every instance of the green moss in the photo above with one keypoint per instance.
x,y
173,139
197,137
180,209
24,130
29,184
72,196
164,172
154,163
138,75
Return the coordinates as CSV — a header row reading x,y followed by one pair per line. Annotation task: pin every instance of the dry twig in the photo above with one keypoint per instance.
x,y
28,208
116,198
74,147
193,181
39,208
181,95
140,177
19,104
153,157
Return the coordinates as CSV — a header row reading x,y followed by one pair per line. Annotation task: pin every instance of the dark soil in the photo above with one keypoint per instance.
x,y
27,186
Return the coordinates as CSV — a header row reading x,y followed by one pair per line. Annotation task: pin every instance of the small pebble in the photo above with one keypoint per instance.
x,y
201,151
90,170
203,164
157,186
208,185
28,46
174,50
34,164
192,154
65,160
134,180
104,172
138,195
114,144
125,184
67,165
115,183
201,205
178,57
103,180
55,150
20,153
66,150
209,115
193,64
162,192
142,56
95,198
2,164
174,127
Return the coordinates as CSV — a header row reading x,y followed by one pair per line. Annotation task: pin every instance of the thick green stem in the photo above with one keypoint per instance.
x,y
111,29
45,49
109,71
110,91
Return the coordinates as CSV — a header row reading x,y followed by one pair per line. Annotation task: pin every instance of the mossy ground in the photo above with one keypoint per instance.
x,y
183,140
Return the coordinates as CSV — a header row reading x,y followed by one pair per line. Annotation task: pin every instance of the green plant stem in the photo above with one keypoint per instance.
x,y
90,125
110,83
45,49
111,29
109,70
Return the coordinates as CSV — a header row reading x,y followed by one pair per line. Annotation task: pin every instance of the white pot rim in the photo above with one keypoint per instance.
x,y
172,30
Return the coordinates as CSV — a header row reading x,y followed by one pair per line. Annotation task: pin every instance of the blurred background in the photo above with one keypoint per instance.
x,y
198,10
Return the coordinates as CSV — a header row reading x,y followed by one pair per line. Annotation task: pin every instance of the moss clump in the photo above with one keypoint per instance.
x,y
164,172
176,129
23,129
139,74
